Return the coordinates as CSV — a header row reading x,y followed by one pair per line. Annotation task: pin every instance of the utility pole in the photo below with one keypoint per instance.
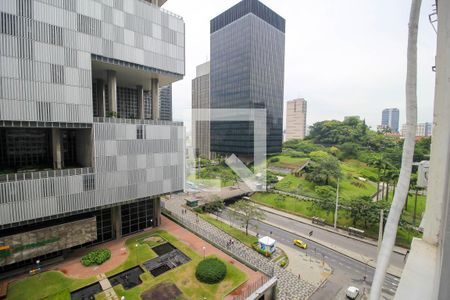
x,y
380,231
337,205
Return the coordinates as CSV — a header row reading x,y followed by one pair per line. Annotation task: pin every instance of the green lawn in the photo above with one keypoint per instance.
x,y
359,169
184,278
222,172
300,207
138,252
51,285
234,232
286,161
349,188
54,285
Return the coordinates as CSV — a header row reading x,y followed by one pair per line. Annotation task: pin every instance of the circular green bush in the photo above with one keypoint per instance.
x,y
96,257
211,270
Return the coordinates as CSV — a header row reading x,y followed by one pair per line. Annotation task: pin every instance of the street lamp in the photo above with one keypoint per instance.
x,y
367,264
204,252
337,205
137,254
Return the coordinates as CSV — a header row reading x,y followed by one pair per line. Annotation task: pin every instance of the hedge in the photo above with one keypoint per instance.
x,y
96,257
211,270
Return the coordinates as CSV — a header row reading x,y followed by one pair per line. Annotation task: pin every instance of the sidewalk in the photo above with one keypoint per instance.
x,y
310,270
339,231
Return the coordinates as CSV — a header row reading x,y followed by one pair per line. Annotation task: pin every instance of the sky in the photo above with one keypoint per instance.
x,y
345,57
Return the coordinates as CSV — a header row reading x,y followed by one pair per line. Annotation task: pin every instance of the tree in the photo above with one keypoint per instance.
x,y
327,195
214,206
321,169
390,231
245,212
362,208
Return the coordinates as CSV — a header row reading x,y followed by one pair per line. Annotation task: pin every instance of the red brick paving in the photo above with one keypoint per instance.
x,y
72,267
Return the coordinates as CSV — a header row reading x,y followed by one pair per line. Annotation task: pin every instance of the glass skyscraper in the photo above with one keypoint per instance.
x,y
390,118
247,71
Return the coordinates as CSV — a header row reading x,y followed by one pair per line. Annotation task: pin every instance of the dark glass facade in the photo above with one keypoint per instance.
x,y
247,71
165,103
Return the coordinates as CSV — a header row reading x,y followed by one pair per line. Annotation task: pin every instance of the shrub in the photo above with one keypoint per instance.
x,y
211,270
96,257
283,263
198,210
274,159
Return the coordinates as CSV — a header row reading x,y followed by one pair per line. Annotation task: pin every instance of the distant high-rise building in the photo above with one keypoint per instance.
x,y
390,118
247,71
165,101
296,119
201,100
422,129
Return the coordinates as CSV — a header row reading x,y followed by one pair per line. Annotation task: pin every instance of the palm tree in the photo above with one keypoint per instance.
x,y
390,231
380,164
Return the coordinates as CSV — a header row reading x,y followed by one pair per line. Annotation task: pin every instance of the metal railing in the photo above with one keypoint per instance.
x,y
136,121
31,175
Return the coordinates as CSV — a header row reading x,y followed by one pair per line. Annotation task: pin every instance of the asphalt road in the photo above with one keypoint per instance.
x,y
346,271
367,250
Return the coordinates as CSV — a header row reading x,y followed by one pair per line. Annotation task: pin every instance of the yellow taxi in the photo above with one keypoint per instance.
x,y
300,243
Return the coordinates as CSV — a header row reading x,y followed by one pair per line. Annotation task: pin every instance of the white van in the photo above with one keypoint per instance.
x,y
352,292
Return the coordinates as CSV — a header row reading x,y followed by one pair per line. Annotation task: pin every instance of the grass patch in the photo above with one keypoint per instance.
x,y
286,162
184,277
234,232
349,188
138,252
299,207
52,285
219,172
359,169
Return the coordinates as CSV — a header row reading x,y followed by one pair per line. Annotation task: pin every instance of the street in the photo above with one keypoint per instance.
x,y
346,271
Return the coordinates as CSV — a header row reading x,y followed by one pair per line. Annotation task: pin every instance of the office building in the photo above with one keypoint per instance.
x,y
84,156
201,100
422,129
296,119
247,71
390,118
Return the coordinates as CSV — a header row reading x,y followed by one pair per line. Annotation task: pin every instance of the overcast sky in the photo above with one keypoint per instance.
x,y
345,57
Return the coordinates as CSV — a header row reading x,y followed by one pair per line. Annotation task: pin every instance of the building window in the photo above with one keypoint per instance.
x,y
140,132
89,182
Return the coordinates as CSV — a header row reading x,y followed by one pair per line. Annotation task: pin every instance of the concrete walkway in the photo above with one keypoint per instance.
x,y
309,269
108,290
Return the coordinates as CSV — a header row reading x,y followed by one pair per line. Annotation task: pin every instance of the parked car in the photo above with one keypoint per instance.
x,y
300,243
352,292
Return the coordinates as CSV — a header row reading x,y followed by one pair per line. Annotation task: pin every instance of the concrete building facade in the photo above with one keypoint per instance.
x,y
391,117
201,100
422,129
296,119
247,71
81,135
